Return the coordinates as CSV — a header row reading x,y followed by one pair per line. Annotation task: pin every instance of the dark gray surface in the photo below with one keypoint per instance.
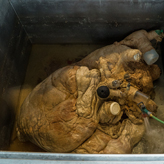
x,y
7,18
14,48
16,58
14,53
87,21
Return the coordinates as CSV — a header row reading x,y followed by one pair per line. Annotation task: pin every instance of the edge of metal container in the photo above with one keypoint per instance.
x,y
44,158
